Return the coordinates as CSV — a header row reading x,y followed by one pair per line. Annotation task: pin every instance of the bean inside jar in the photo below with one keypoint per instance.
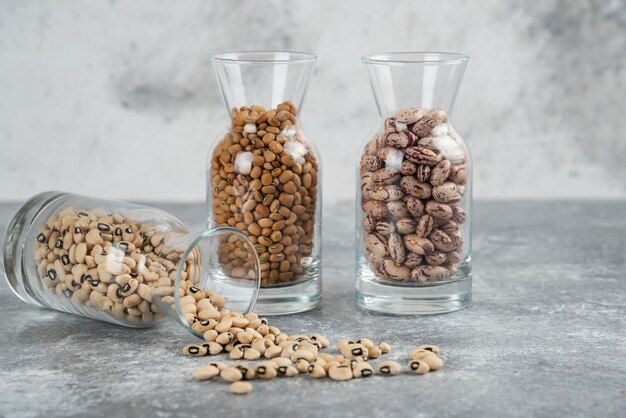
x,y
264,182
413,179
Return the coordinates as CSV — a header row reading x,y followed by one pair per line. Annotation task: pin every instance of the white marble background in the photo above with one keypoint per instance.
x,y
117,98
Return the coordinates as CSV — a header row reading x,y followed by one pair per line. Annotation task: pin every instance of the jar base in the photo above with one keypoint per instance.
x,y
378,297
286,300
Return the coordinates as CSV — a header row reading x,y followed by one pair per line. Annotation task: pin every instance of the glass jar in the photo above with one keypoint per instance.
x,y
414,191
124,263
263,174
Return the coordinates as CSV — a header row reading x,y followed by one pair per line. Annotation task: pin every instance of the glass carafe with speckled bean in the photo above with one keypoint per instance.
x,y
124,263
263,175
414,190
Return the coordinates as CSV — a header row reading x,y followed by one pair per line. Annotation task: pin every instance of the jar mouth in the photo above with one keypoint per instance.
x,y
419,57
264,57
248,291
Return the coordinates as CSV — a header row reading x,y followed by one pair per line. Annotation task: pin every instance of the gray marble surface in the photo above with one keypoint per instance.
x,y
545,335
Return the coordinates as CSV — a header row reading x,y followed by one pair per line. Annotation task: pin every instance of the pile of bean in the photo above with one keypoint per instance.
x,y
264,183
248,337
104,261
413,178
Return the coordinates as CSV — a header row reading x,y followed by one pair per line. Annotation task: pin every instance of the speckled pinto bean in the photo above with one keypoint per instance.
x,y
413,177
104,261
264,181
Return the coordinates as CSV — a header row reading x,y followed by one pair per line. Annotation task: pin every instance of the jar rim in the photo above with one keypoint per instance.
x,y
415,57
262,57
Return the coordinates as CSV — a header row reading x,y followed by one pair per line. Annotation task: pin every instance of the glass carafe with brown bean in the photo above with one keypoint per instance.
x,y
263,175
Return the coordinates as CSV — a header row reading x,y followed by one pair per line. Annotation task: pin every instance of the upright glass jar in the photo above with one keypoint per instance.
x,y
414,191
125,263
263,174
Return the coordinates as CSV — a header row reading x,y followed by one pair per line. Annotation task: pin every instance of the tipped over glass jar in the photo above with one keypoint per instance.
x,y
126,264
414,190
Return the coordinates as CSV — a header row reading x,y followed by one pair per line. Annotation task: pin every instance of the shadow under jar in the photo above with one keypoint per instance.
x,y
124,263
414,193
263,175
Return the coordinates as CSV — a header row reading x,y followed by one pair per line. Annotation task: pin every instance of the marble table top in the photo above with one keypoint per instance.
x,y
544,336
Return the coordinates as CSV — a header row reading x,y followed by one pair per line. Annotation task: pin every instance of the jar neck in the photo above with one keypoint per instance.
x,y
264,78
415,79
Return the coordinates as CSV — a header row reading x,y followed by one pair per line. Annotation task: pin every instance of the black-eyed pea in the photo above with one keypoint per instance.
x,y
302,354
210,335
238,351
251,316
362,369
342,342
261,344
202,327
288,350
231,374
194,350
275,331
321,339
331,363
244,337
204,304
433,362
93,237
224,338
281,338
374,352
132,300
273,352
217,300
190,318
340,372
316,371
302,365
253,332
113,292
240,322
206,372
307,345
224,325
263,329
385,348
214,348
287,371
418,354
254,323
419,366
354,350
235,331
248,373
251,354
240,388
266,370
129,288
389,367
145,292
197,293
428,347
366,342
207,314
